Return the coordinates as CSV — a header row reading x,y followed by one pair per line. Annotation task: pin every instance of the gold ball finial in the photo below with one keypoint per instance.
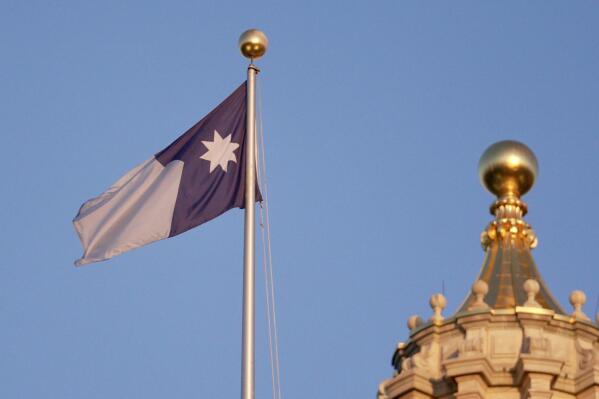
x,y
508,168
253,43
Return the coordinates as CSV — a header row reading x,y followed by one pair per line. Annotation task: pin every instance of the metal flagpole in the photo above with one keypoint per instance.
x,y
253,44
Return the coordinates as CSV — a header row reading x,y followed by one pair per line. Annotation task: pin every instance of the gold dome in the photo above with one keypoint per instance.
x,y
508,168
253,43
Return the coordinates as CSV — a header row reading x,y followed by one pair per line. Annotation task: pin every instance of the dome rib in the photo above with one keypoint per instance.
x,y
507,265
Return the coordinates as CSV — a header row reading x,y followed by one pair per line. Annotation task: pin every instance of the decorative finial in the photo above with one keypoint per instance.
x,y
479,289
508,169
253,44
437,303
414,322
577,299
532,288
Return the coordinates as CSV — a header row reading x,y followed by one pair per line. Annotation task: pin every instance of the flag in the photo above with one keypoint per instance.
x,y
195,179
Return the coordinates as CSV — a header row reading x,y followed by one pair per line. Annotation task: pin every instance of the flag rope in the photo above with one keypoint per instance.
x,y
273,337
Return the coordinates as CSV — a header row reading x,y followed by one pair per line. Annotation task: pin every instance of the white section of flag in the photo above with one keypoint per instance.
x,y
135,211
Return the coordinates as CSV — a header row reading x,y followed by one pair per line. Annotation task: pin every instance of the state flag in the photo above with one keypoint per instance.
x,y
195,179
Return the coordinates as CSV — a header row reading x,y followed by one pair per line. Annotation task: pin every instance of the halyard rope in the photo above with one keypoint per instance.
x,y
273,337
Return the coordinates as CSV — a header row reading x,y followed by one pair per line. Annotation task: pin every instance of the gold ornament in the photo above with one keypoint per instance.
x,y
253,44
508,169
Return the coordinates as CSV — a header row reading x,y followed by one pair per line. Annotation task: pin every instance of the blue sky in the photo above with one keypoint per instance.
x,y
375,115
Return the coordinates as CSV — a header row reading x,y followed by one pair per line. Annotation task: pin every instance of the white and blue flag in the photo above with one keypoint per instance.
x,y
198,177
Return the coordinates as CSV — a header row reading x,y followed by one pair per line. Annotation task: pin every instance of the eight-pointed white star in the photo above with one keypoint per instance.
x,y
220,151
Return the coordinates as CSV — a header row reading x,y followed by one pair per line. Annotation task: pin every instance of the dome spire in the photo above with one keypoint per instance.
x,y
508,169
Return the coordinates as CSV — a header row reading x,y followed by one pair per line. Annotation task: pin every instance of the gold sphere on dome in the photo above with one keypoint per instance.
x,y
508,168
253,43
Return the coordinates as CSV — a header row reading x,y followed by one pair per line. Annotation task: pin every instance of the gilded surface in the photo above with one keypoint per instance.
x,y
508,264
508,169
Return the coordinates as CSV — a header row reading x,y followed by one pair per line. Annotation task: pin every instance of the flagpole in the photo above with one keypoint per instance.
x,y
253,44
